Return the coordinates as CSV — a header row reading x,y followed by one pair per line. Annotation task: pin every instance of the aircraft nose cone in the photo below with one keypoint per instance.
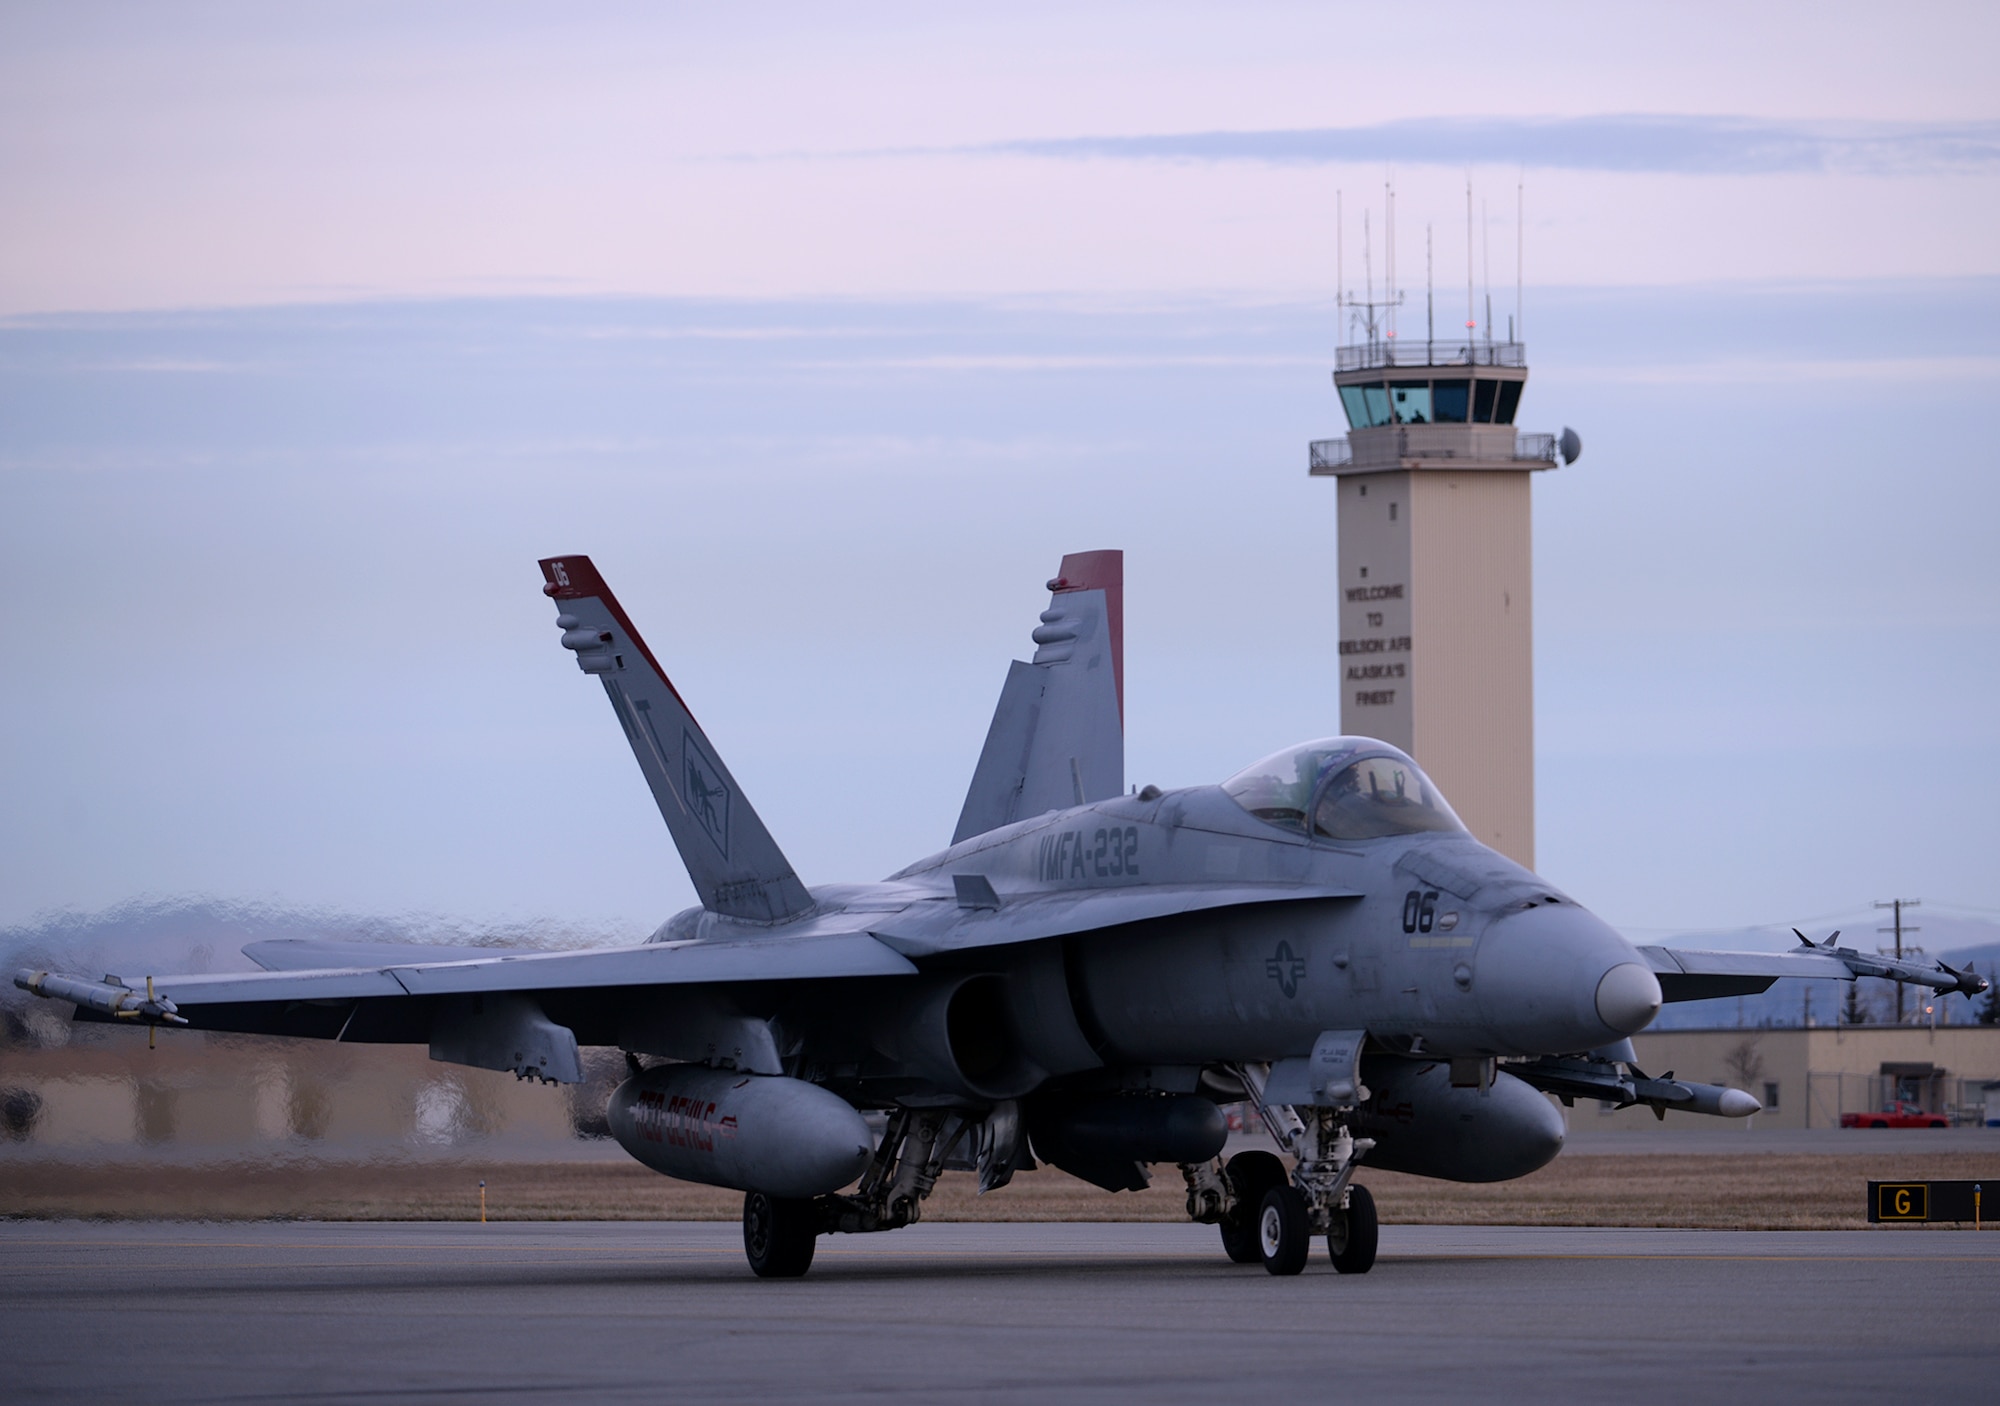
x,y
1628,998
1554,979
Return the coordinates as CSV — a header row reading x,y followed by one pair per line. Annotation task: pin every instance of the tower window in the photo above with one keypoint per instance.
x,y
1366,406
1482,401
1356,406
1450,401
1411,402
1510,401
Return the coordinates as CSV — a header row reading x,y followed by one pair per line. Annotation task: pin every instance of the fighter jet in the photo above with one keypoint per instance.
x,y
1084,978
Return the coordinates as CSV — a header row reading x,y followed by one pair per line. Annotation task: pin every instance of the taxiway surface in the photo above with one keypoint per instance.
x,y
317,1312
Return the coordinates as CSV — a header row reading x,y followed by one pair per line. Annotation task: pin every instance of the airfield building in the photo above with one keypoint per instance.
x,y
1808,1076
1436,630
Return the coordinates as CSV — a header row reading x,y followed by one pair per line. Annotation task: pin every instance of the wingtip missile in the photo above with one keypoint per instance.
x,y
113,999
1967,983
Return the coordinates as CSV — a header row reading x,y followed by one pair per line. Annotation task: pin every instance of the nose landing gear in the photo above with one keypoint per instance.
x,y
1284,1230
1352,1232
1269,1216
1248,1177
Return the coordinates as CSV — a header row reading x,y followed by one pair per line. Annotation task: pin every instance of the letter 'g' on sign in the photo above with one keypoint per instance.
x,y
1910,1201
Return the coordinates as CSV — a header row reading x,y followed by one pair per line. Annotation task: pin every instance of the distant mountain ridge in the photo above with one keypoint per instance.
x,y
188,935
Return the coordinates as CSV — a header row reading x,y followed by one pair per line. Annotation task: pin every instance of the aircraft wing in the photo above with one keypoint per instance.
x,y
980,918
302,954
1691,975
320,1003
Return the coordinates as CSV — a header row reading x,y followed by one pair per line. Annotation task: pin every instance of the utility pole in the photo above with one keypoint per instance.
x,y
1899,904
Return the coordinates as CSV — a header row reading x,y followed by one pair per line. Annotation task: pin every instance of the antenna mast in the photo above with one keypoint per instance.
x,y
1369,319
1339,271
1368,276
1389,254
1430,315
1520,228
1486,266
1470,323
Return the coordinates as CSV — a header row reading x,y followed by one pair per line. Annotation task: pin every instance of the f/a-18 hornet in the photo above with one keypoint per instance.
x,y
1084,978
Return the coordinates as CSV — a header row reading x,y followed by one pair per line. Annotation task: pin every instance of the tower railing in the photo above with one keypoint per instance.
x,y
1396,352
1330,456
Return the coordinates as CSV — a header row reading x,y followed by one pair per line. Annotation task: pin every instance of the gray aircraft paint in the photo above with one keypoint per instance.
x,y
735,864
1058,735
1130,943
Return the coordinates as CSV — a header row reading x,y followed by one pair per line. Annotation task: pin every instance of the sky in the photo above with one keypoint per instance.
x,y
827,338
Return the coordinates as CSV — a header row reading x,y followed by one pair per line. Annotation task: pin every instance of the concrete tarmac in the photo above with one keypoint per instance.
x,y
322,1312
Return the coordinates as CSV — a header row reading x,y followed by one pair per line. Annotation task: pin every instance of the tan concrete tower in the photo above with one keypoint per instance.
x,y
1436,579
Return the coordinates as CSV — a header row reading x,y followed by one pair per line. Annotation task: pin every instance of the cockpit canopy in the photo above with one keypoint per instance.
x,y
1350,788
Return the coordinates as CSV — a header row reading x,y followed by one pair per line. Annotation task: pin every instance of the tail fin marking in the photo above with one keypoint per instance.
x,y
736,866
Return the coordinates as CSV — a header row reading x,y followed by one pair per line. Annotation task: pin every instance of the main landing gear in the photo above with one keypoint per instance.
x,y
779,1235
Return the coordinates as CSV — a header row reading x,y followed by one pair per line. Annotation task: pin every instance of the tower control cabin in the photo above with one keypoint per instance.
x,y
1436,632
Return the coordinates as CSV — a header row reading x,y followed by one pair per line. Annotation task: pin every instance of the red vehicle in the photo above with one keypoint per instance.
x,y
1896,1115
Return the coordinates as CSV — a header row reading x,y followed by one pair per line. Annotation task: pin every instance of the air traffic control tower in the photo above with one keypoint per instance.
x,y
1436,630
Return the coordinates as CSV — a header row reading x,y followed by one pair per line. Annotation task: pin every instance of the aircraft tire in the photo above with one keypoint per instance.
x,y
1284,1230
779,1235
1351,1239
1250,1174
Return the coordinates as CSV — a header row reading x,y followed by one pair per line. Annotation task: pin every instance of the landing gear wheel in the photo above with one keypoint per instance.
x,y
1250,1174
1353,1233
779,1235
1284,1230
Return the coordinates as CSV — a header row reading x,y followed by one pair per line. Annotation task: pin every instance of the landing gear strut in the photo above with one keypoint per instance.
x,y
904,1170
779,1235
1268,1216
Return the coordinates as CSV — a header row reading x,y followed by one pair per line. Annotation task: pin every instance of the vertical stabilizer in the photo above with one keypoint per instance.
x,y
1058,736
736,866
